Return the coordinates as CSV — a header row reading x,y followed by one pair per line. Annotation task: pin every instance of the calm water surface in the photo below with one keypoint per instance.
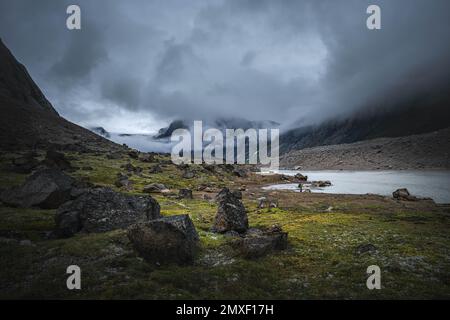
x,y
433,184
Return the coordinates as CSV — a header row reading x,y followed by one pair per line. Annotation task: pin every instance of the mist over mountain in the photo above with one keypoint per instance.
x,y
299,63
421,116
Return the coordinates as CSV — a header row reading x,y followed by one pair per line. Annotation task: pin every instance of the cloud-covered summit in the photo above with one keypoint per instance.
x,y
136,64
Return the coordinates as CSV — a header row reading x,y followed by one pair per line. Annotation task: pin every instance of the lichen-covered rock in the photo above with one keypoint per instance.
x,y
231,214
46,188
102,209
171,239
257,243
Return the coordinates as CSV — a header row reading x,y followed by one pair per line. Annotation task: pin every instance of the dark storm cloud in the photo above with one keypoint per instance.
x,y
76,64
277,60
124,91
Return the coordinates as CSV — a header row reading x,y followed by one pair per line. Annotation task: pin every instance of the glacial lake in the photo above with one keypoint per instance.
x,y
432,184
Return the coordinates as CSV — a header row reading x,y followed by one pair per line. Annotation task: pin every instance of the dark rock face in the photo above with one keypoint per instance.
x,y
231,214
170,239
55,159
102,209
46,189
257,243
185,194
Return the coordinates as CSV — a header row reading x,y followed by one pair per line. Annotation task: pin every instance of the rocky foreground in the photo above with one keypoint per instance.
x,y
141,227
415,152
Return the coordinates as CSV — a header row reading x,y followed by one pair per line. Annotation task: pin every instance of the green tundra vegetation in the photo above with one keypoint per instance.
x,y
412,242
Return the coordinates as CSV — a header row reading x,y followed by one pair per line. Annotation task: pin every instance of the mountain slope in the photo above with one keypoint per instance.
x,y
416,117
27,118
424,151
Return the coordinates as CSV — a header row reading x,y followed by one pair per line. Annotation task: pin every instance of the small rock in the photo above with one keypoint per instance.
x,y
185,194
365,248
188,174
122,181
403,194
301,177
156,169
155,188
239,172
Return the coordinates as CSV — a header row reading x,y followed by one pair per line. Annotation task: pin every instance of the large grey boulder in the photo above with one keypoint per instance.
x,y
46,188
171,239
102,209
185,194
231,214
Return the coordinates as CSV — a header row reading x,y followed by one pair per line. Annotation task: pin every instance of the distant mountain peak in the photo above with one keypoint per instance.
x,y
167,132
101,131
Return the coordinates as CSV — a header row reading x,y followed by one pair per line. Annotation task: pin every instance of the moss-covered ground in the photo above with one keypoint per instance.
x,y
412,241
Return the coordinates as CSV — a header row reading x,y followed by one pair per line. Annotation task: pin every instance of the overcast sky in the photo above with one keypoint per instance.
x,y
136,65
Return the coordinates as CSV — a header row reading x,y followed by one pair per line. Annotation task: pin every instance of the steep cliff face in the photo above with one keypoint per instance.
x,y
28,119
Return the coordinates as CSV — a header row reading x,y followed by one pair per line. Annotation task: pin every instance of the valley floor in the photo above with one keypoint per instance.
x,y
325,257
